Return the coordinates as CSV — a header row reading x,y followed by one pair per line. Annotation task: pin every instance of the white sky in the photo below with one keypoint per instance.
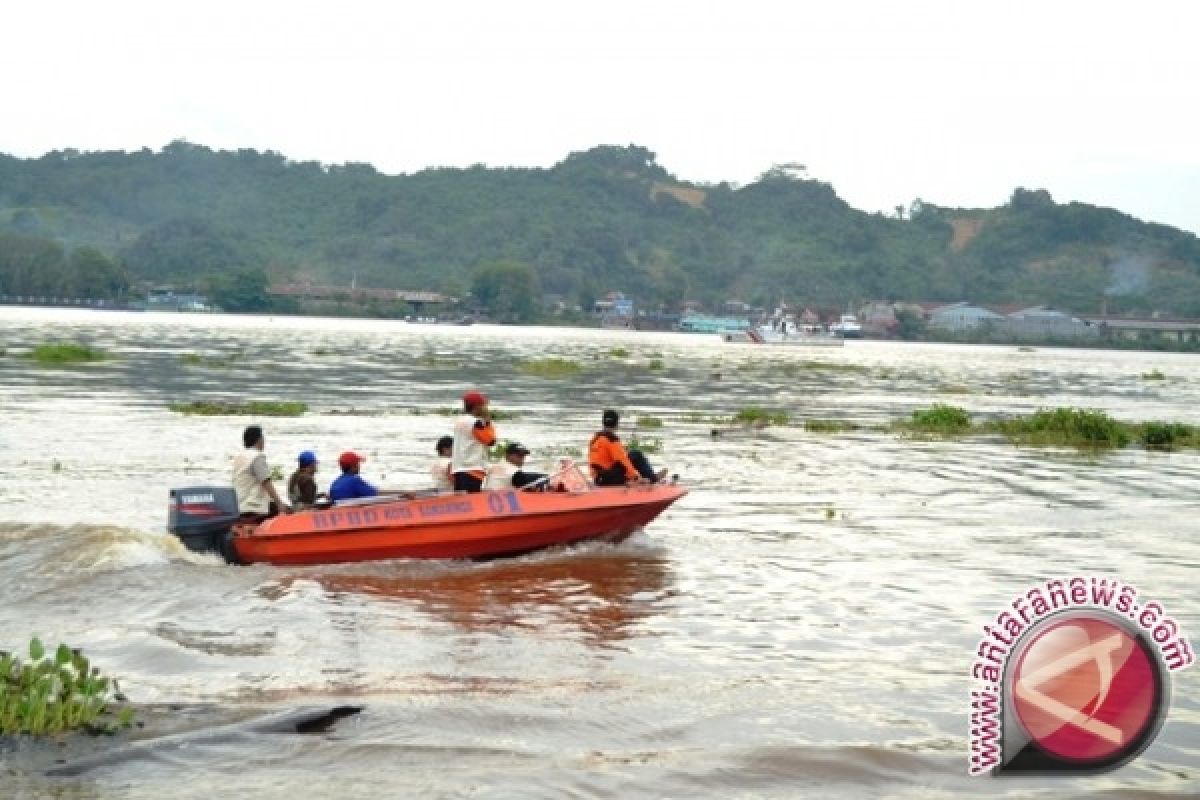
x,y
953,102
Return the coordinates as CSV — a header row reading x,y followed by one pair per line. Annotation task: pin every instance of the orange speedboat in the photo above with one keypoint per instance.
x,y
484,525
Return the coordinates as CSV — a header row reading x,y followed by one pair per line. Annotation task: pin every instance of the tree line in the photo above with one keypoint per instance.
x,y
606,219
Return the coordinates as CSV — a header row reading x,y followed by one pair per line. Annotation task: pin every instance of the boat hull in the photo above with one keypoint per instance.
x,y
483,525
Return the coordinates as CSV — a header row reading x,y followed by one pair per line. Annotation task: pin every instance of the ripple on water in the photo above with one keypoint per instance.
x,y
803,618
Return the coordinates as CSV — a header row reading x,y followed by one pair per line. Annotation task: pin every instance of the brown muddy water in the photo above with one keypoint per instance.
x,y
801,624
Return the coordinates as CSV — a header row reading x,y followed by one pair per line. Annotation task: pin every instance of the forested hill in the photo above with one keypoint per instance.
x,y
607,219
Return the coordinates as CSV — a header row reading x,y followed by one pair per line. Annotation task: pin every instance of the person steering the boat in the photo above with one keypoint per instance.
x,y
256,495
512,473
350,484
473,435
439,468
611,465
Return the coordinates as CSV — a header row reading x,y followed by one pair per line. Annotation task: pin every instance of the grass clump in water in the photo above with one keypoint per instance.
x,y
645,445
66,353
1072,427
753,415
1168,435
655,364
1153,375
254,408
497,414
619,352
649,422
938,419
550,368
51,694
829,426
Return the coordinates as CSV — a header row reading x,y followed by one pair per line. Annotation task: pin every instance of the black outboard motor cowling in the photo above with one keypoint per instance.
x,y
202,517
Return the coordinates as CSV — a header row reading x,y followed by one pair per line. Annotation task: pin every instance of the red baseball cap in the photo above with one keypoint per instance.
x,y
474,398
350,459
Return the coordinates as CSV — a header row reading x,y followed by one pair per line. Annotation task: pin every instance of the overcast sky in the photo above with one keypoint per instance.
x,y
956,103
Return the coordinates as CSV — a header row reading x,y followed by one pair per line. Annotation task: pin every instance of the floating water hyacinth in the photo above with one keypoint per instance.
x,y
50,694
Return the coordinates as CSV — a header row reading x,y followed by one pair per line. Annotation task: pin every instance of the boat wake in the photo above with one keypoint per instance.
x,y
76,549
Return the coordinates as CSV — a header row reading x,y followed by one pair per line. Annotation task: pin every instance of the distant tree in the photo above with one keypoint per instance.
x,y
910,324
93,274
186,248
241,290
790,171
30,265
507,290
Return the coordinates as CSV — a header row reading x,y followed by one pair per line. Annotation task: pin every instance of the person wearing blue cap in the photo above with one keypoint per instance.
x,y
302,486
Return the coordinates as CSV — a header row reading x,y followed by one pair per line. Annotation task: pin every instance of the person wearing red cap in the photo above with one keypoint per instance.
x,y
473,435
350,484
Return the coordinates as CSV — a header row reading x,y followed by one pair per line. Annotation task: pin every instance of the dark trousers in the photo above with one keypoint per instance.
x,y
466,482
615,475
522,478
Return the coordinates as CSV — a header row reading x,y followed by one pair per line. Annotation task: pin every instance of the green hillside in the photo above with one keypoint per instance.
x,y
609,218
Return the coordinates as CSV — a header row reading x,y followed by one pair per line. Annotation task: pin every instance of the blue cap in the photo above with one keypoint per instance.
x,y
307,458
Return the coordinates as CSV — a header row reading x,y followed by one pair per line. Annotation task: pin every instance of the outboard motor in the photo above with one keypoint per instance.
x,y
203,517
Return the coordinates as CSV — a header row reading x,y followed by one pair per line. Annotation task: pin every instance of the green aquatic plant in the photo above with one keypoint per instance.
x,y
254,408
645,445
550,368
434,360
619,352
66,353
655,364
938,419
829,425
649,422
497,414
1167,435
1153,375
48,694
1072,427
56,466
753,415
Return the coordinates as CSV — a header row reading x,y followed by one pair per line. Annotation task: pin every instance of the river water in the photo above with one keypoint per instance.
x,y
801,624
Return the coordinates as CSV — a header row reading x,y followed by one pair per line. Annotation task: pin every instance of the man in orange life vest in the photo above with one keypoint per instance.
x,y
473,435
611,465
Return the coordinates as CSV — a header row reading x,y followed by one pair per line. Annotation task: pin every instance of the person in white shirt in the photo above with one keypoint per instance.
x,y
512,473
252,478
473,435
439,468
